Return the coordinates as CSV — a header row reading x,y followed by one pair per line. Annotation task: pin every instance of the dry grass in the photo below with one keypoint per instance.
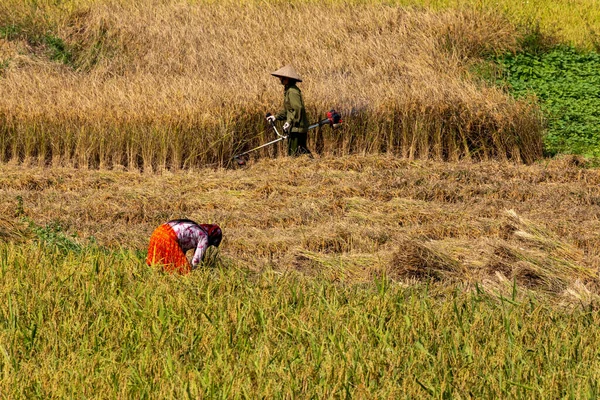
x,y
576,22
350,218
163,84
13,231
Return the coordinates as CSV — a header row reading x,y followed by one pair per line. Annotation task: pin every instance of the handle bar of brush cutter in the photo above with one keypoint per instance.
x,y
275,128
279,138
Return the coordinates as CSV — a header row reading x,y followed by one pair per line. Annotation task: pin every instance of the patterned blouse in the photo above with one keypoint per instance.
x,y
190,235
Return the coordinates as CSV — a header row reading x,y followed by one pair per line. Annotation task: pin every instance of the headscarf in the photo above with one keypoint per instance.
x,y
215,235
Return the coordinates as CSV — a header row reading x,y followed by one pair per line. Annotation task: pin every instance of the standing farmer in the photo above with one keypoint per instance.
x,y
293,113
170,241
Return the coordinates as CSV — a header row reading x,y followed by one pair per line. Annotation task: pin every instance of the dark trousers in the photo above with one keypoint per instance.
x,y
297,144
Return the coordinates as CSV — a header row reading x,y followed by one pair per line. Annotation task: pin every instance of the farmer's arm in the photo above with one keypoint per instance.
x,y
200,250
294,112
280,116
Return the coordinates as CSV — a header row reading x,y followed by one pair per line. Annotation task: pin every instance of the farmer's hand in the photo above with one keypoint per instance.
x,y
286,127
271,119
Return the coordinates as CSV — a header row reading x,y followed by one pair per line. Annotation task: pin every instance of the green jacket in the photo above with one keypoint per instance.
x,y
293,109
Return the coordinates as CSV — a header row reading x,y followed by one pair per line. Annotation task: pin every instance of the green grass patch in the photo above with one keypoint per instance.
x,y
567,83
59,51
4,65
53,235
10,31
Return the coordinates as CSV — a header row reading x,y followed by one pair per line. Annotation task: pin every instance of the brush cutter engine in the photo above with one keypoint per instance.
x,y
335,119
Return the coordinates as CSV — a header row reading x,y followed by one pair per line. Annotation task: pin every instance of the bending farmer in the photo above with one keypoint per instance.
x,y
293,113
170,241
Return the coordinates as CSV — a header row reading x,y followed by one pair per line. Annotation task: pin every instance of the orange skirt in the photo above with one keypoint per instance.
x,y
164,249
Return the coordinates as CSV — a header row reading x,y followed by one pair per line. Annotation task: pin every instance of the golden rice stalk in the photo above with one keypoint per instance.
x,y
421,259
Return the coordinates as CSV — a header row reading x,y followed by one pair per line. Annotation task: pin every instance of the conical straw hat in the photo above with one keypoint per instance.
x,y
287,72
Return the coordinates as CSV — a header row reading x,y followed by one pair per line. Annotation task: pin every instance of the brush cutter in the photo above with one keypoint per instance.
x,y
334,119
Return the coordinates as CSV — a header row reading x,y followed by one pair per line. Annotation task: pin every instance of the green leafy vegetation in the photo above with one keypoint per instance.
x,y
567,83
53,235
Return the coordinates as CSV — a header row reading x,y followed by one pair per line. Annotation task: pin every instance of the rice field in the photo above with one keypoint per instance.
x,y
105,89
343,276
427,250
100,325
95,84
